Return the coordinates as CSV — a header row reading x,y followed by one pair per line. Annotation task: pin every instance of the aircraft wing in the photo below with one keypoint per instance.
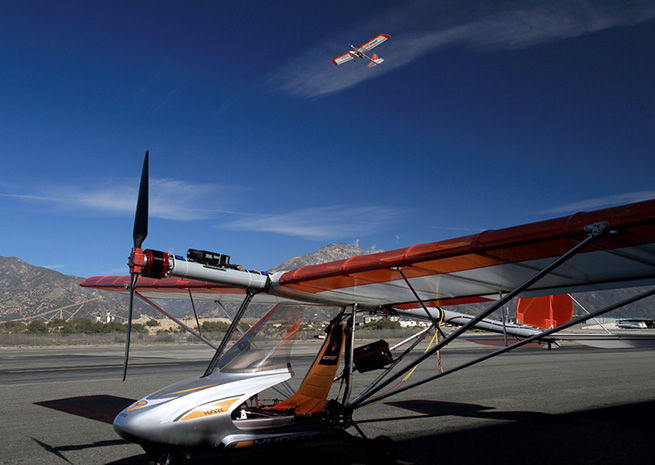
x,y
475,268
374,42
343,58
487,265
365,47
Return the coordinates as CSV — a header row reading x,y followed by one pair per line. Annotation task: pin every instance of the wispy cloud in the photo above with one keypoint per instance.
x,y
320,224
603,202
53,267
183,201
421,27
169,198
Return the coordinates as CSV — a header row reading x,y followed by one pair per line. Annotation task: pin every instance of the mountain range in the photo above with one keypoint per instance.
x,y
32,292
28,291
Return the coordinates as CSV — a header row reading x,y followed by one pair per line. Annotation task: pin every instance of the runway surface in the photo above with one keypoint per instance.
x,y
571,405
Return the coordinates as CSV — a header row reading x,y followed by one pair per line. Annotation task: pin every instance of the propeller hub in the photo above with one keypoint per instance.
x,y
136,261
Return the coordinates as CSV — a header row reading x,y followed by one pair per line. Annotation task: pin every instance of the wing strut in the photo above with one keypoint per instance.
x,y
193,305
350,354
411,288
175,320
516,345
419,338
233,326
594,232
587,312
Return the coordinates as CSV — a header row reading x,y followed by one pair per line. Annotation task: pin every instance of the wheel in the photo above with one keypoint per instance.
x,y
382,451
163,458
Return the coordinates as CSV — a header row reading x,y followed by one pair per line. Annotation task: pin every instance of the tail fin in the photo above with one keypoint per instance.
x,y
549,311
375,61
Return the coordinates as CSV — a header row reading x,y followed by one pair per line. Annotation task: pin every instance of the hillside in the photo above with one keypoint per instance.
x,y
28,291
329,253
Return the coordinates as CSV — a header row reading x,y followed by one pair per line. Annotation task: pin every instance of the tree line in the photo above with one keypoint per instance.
x,y
88,326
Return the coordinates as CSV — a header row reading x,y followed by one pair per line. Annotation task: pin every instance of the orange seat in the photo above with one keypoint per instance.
x,y
311,396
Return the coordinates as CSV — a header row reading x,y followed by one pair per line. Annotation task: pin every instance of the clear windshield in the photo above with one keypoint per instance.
x,y
267,345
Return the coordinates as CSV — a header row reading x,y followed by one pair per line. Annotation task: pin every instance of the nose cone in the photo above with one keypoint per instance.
x,y
132,424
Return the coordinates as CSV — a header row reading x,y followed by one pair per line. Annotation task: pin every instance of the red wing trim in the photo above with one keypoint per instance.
x,y
172,285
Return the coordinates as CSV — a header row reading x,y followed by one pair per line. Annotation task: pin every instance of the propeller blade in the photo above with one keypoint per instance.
x,y
141,217
129,323
136,259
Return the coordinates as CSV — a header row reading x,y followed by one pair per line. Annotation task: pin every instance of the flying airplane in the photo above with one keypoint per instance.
x,y
222,409
359,52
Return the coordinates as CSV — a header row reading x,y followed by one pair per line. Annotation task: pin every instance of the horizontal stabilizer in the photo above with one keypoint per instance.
x,y
375,61
549,311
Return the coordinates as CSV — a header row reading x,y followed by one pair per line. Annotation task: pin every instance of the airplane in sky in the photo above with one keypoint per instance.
x,y
360,52
221,408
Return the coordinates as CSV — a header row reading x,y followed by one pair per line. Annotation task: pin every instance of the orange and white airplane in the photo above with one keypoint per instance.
x,y
220,408
360,52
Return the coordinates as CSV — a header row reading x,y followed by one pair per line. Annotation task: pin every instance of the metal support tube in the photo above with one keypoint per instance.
x,y
168,315
350,354
229,318
505,325
411,288
419,337
420,334
193,305
237,318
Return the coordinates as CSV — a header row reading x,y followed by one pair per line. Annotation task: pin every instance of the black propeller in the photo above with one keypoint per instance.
x,y
136,258
141,217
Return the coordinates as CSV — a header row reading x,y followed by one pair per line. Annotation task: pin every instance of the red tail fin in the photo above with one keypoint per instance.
x,y
549,311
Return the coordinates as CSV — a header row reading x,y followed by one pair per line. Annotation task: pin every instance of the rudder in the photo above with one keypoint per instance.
x,y
549,311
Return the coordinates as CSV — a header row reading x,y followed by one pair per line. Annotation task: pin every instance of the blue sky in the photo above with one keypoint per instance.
x,y
483,115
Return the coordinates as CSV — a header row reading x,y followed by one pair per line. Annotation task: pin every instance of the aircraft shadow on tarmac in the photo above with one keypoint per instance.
x,y
618,434
101,407
610,435
434,408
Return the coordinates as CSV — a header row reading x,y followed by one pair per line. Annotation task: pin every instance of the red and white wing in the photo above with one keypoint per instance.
x,y
342,59
374,42
490,264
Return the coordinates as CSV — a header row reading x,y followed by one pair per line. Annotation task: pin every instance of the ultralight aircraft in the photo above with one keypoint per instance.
x,y
360,52
220,409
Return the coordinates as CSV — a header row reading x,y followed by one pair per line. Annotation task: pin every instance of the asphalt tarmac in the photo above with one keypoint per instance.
x,y
571,405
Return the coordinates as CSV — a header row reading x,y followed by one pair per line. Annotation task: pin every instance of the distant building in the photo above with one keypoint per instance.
x,y
413,324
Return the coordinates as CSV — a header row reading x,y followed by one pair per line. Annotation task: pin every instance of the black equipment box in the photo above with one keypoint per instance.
x,y
372,356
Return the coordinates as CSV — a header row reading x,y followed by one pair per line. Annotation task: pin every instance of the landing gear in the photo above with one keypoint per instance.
x,y
382,451
164,458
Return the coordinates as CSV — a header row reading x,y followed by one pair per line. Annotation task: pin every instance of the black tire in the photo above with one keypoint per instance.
x,y
382,451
